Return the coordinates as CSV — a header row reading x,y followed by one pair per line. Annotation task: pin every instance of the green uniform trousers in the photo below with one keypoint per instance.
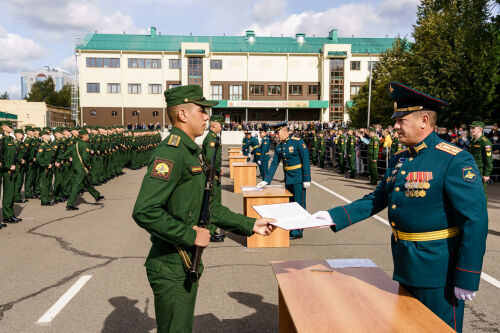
x,y
58,183
30,180
443,303
175,298
18,182
372,166
66,181
80,181
299,196
45,184
8,194
342,163
352,165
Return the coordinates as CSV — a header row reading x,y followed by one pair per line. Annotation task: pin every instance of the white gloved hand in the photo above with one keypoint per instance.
x,y
262,184
323,215
259,162
306,184
464,295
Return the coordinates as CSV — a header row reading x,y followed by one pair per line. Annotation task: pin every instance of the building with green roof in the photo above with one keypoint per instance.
x,y
122,77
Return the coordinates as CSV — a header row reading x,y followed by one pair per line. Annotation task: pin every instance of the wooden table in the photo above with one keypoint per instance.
x,y
268,196
363,299
234,148
235,159
232,153
245,174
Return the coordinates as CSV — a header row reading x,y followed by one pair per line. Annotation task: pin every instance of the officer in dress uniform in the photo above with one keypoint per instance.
x,y
254,146
321,152
263,152
340,142
208,150
293,152
351,152
396,146
168,207
8,173
480,149
437,210
372,152
245,144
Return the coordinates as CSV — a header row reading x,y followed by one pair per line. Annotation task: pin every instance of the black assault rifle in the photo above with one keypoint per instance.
x,y
204,220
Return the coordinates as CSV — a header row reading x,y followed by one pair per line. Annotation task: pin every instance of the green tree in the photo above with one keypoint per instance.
x,y
64,96
5,95
393,65
45,91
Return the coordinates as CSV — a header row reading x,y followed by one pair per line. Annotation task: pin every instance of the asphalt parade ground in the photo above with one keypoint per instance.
x,y
82,271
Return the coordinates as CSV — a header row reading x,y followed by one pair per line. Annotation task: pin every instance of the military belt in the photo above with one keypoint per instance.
x,y
293,167
425,236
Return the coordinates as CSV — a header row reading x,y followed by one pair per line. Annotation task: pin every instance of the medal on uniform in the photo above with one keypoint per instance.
x,y
421,193
407,193
407,185
412,193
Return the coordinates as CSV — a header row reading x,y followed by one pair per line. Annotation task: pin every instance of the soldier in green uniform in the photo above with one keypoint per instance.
x,y
351,152
263,152
437,210
80,170
168,207
245,144
313,146
8,173
208,150
396,146
32,140
321,152
20,173
480,149
372,156
341,145
44,156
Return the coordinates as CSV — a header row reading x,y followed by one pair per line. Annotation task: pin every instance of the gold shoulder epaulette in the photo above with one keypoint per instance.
x,y
174,140
484,139
295,138
448,148
401,151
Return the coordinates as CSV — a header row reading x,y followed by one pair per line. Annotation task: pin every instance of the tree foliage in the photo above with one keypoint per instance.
x,y
44,91
5,95
455,56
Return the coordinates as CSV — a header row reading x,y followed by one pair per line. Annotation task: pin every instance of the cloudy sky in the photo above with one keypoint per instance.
x,y
36,33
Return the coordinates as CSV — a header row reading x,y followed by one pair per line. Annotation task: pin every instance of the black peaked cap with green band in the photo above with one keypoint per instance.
x,y
187,94
408,100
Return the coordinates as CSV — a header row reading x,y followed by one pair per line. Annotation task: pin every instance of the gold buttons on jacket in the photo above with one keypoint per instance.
x,y
396,189
411,159
393,224
403,172
393,206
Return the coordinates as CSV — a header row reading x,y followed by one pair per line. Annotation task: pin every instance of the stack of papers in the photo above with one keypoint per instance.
x,y
250,188
290,216
344,263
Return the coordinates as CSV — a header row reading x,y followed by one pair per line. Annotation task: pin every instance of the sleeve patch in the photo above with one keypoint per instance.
x,y
161,168
447,148
196,169
212,144
468,174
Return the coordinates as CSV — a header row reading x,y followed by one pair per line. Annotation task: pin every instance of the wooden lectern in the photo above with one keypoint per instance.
x,y
268,196
235,159
245,174
355,299
234,151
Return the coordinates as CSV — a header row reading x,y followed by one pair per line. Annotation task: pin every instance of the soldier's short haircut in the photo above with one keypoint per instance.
x,y
432,116
172,113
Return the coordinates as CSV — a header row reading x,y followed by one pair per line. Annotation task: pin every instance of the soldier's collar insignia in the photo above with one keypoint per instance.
x,y
174,140
161,168
468,174
415,149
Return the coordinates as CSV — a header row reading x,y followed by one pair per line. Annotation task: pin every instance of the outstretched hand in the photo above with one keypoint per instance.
x,y
262,226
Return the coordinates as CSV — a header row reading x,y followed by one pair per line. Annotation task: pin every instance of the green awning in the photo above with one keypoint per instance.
x,y
195,51
6,115
337,53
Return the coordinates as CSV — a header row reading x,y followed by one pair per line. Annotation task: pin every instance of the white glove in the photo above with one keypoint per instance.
x,y
323,215
464,295
306,184
262,184
259,162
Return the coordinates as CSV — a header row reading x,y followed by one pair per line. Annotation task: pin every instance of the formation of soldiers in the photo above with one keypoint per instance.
x,y
55,165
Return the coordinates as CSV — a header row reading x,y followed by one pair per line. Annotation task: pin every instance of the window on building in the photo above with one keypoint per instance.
x,y
134,88
156,114
235,92
372,64
113,88
257,89
144,63
273,89
135,113
93,88
174,63
216,91
93,113
114,114
295,90
355,65
313,89
336,90
103,62
195,71
215,64
355,89
173,85
155,88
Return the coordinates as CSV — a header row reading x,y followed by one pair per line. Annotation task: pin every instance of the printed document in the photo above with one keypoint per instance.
x,y
290,216
344,263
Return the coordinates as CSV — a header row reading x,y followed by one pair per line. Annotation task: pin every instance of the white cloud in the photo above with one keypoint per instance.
x,y
64,18
14,92
359,19
264,11
68,64
16,52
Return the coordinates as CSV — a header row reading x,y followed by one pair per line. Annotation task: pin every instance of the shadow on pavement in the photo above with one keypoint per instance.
x,y
126,317
264,319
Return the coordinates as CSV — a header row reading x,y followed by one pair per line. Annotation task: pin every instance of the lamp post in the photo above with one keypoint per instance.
x,y
139,118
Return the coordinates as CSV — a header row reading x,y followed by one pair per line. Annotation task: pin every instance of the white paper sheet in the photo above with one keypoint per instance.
x,y
344,263
250,188
290,216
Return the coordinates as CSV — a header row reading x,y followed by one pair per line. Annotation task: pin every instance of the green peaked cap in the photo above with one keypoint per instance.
x,y
187,94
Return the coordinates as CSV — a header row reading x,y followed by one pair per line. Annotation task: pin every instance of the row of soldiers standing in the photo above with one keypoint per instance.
x,y
56,165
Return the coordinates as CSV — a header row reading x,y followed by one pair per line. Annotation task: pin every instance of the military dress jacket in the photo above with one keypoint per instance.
x,y
480,149
295,156
373,149
245,146
9,152
208,149
263,150
44,154
429,187
254,144
169,202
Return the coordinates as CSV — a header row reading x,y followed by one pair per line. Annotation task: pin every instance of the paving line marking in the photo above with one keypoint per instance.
x,y
484,276
63,300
